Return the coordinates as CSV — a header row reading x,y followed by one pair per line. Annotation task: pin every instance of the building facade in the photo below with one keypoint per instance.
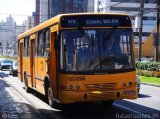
x,y
8,35
44,14
51,8
37,13
65,6
132,8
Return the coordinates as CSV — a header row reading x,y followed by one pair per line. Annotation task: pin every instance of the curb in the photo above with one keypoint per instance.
x,y
151,85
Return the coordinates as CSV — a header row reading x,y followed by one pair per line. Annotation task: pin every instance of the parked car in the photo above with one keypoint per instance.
x,y
138,82
14,68
5,64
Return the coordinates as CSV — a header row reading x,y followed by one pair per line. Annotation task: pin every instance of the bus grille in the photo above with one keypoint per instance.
x,y
101,86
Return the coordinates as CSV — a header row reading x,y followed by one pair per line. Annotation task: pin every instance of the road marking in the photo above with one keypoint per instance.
x,y
143,115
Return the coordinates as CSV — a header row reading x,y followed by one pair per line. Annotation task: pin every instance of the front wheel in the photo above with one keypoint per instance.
x,y
50,97
51,100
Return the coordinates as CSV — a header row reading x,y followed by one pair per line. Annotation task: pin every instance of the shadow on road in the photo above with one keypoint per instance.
x,y
143,96
95,110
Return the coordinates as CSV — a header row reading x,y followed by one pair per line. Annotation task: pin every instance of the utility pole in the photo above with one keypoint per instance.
x,y
140,30
157,36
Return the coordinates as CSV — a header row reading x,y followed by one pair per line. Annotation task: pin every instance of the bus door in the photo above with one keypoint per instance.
x,y
53,74
21,61
32,60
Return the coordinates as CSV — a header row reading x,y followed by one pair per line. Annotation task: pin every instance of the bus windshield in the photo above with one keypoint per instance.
x,y
96,50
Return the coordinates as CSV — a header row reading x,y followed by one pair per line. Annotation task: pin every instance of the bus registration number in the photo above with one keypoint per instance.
x,y
76,78
129,93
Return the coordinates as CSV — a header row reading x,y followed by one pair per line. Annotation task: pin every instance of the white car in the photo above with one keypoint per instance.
x,y
138,82
5,64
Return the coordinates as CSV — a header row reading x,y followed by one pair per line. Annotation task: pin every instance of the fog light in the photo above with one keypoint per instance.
x,y
77,87
70,87
123,85
130,83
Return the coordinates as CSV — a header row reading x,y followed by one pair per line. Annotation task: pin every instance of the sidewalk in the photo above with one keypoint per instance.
x,y
13,105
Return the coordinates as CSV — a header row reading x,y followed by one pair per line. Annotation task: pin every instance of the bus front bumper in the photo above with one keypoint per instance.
x,y
82,96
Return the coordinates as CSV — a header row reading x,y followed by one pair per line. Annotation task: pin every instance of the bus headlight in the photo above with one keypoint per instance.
x,y
130,83
70,87
123,85
77,87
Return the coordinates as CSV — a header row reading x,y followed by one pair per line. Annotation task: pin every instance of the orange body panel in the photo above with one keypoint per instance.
x,y
41,68
97,87
40,73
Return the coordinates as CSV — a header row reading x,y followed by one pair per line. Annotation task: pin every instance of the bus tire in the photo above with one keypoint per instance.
x,y
50,97
26,83
51,100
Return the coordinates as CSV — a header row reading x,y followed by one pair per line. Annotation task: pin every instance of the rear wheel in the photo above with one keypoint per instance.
x,y
14,73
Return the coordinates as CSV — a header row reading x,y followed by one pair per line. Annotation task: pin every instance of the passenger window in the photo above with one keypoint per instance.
x,y
26,47
46,44
43,43
39,44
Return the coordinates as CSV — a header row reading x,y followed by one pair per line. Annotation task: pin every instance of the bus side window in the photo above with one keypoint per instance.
x,y
46,43
40,44
26,47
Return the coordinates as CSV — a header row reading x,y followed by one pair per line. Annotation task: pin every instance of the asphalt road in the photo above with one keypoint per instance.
x,y
146,106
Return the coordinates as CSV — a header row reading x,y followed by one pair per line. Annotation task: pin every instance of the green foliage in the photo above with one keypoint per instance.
x,y
149,66
148,69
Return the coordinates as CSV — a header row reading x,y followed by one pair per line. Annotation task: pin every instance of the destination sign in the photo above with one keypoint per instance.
x,y
102,22
95,21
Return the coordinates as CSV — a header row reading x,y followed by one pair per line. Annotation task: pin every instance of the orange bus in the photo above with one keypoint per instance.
x,y
79,57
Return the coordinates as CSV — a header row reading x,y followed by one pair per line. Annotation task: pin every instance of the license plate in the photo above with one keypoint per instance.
x,y
129,93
